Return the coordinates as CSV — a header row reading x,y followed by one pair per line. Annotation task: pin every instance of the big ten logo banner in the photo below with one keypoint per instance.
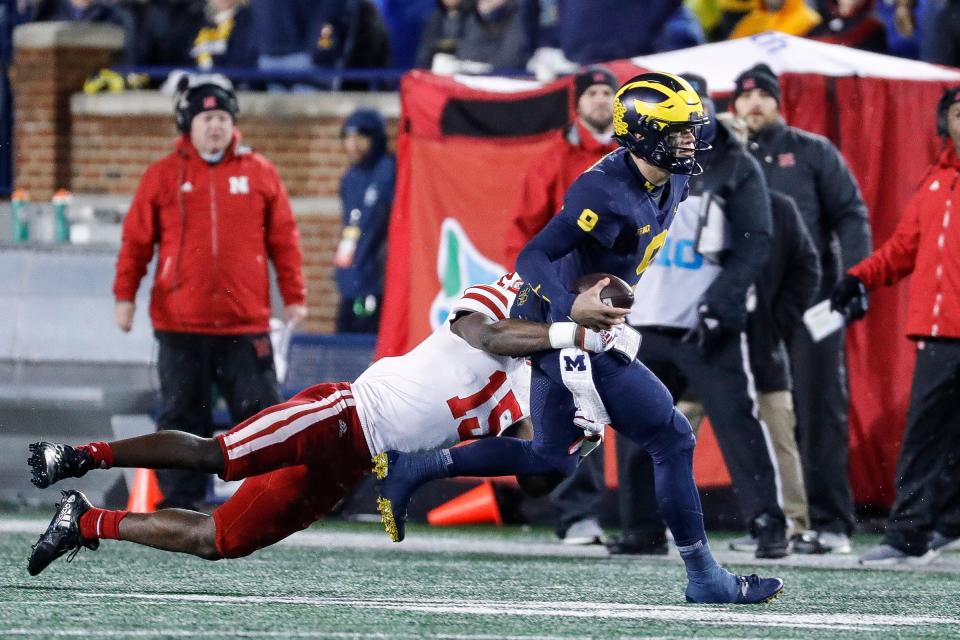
x,y
459,265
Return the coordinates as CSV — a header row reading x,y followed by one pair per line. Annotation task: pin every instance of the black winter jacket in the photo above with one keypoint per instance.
x,y
731,173
809,169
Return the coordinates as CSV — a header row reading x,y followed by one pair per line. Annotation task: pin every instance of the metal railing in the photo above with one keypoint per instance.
x,y
322,79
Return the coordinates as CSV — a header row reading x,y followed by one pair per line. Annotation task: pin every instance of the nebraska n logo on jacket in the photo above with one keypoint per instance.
x,y
239,184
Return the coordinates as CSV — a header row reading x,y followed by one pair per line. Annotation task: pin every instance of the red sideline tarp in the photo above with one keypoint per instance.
x,y
462,153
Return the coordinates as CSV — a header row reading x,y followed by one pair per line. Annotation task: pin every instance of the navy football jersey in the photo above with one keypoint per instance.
x,y
612,221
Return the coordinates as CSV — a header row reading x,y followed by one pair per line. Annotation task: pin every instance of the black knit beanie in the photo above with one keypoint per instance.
x,y
759,76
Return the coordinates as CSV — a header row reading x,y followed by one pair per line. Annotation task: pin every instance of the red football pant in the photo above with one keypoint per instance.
x,y
300,459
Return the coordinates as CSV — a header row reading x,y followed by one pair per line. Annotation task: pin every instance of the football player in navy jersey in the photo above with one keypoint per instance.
x,y
614,219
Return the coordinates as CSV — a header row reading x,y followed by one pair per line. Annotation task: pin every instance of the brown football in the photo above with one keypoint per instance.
x,y
616,294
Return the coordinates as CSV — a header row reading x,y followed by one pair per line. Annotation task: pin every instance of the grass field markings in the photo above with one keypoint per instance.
x,y
183,633
462,544
670,613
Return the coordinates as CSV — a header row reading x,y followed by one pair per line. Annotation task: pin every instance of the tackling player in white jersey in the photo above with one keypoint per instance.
x,y
457,392
301,457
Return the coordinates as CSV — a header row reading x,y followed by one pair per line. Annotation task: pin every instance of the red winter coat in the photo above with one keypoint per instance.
x,y
546,183
216,226
926,243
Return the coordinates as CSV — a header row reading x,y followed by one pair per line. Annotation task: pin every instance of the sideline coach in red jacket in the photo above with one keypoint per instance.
x,y
926,243
216,212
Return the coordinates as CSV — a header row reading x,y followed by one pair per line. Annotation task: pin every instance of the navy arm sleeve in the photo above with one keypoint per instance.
x,y
586,217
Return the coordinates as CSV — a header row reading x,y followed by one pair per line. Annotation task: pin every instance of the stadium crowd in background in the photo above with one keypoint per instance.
x,y
210,301
544,37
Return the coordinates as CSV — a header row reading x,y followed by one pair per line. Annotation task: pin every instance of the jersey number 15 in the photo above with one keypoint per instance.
x,y
482,401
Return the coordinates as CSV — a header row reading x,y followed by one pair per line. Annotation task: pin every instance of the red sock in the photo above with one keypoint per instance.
x,y
101,524
101,452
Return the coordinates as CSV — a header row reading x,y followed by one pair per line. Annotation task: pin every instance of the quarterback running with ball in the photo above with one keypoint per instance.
x,y
614,219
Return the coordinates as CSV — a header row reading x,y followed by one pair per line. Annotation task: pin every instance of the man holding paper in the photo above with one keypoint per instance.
x,y
810,169
925,518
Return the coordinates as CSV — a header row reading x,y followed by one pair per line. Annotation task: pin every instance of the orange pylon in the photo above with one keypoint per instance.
x,y
476,506
145,493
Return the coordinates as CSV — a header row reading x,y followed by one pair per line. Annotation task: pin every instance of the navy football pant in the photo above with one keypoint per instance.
x,y
640,409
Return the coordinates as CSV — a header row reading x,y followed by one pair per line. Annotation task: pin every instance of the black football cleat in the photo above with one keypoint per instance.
x,y
640,546
50,462
63,533
771,535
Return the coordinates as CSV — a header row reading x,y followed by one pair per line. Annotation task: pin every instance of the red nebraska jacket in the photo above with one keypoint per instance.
x,y
927,244
547,182
215,226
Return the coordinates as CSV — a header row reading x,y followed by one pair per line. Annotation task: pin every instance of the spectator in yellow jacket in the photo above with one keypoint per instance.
x,y
789,16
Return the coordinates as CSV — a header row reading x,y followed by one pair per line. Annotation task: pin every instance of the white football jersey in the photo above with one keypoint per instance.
x,y
444,391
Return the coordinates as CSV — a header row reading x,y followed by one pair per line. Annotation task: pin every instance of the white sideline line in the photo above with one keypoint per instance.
x,y
593,610
181,633
462,545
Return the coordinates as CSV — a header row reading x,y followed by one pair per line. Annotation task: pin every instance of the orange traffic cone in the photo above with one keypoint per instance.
x,y
476,506
145,493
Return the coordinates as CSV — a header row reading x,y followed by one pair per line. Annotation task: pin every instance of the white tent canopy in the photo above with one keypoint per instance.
x,y
721,62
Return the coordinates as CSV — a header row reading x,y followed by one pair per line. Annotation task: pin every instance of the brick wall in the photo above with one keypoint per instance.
x,y
110,152
52,61
318,236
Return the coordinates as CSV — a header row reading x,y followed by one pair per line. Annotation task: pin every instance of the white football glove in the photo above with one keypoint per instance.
x,y
626,342
591,426
623,340
592,435
595,341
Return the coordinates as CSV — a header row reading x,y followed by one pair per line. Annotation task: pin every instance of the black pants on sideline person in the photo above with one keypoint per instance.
x,y
722,383
189,364
578,497
820,402
928,469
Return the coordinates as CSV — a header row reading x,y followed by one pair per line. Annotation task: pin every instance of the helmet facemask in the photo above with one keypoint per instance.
x,y
670,139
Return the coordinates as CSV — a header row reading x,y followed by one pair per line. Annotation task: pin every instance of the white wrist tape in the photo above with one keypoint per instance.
x,y
563,335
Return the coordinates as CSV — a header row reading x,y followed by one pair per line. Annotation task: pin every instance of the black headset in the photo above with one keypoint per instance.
x,y
950,95
186,87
